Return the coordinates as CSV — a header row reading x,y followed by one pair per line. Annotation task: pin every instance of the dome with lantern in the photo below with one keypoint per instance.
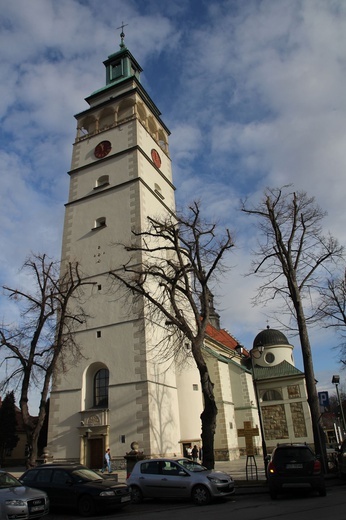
x,y
271,347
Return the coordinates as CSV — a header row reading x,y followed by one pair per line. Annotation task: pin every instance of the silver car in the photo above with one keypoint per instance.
x,y
18,501
178,478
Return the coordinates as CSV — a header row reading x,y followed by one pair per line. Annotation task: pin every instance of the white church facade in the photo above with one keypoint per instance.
x,y
118,392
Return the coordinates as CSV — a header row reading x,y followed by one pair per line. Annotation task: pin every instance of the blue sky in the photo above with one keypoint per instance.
x,y
254,95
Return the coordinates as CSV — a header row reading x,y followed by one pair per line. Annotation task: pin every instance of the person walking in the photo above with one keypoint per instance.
x,y
194,453
107,461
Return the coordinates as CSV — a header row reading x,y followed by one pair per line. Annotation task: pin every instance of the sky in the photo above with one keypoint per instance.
x,y
252,91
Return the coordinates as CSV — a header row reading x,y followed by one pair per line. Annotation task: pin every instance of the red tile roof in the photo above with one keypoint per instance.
x,y
223,337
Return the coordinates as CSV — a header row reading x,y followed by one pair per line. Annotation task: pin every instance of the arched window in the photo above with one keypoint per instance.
x,y
152,127
102,181
162,140
126,109
158,191
88,125
100,222
272,395
141,113
101,382
106,119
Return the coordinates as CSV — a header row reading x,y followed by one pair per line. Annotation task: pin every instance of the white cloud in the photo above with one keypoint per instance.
x,y
252,91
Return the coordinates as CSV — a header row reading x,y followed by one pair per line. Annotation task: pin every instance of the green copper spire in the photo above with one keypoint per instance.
x,y
122,35
121,65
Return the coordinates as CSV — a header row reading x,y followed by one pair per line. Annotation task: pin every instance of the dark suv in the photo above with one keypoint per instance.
x,y
75,486
293,466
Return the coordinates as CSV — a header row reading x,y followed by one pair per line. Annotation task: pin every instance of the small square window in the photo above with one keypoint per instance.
x,y
195,388
98,334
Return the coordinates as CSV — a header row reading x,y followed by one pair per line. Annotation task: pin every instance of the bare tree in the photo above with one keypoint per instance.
x,y
292,257
332,308
180,258
32,349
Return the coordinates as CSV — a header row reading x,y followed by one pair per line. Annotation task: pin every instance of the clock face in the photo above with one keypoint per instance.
x,y
156,158
102,149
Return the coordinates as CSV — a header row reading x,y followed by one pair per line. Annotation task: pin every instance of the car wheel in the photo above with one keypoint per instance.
x,y
200,495
136,495
86,506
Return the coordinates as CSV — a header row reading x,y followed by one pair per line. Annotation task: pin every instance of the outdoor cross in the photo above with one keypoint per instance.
x,y
249,433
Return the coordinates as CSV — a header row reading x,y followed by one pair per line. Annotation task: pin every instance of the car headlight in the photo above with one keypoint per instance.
x,y
109,493
19,503
215,480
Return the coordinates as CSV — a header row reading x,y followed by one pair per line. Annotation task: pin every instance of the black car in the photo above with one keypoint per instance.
x,y
294,466
76,486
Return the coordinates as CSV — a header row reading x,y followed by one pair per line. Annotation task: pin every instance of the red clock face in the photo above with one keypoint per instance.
x,y
156,158
102,149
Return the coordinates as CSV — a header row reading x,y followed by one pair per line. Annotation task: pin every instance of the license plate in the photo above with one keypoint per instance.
x,y
294,466
37,508
126,499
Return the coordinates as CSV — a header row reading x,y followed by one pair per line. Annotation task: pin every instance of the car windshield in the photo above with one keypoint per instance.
x,y
7,481
191,466
86,475
300,454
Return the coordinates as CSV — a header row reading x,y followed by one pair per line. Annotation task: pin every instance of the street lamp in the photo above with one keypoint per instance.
x,y
336,381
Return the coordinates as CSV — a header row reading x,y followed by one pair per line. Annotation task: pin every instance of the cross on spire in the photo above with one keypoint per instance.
x,y
122,34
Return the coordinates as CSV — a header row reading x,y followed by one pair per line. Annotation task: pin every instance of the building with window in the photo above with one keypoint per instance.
x,y
122,390
281,390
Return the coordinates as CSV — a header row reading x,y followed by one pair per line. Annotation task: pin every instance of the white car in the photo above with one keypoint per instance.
x,y
178,478
18,501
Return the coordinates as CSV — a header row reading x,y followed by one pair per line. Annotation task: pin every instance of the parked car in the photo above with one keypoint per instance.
x,y
178,478
18,501
75,486
294,466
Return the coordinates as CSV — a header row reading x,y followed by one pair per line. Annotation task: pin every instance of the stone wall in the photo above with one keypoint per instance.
x,y
274,422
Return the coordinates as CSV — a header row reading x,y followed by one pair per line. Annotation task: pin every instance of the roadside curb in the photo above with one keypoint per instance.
x,y
261,486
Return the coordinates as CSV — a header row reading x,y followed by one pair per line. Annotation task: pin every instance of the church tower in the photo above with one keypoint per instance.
x,y
120,173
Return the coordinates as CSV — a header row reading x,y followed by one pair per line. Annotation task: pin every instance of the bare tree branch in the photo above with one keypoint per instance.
x,y
179,258
332,308
45,334
293,257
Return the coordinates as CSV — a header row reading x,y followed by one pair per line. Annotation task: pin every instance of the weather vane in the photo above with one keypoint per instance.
x,y
122,34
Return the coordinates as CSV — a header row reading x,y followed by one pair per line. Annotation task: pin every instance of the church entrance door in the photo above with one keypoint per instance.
x,y
96,453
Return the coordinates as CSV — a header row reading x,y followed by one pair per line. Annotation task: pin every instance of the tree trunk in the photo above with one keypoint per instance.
x,y
208,418
319,441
